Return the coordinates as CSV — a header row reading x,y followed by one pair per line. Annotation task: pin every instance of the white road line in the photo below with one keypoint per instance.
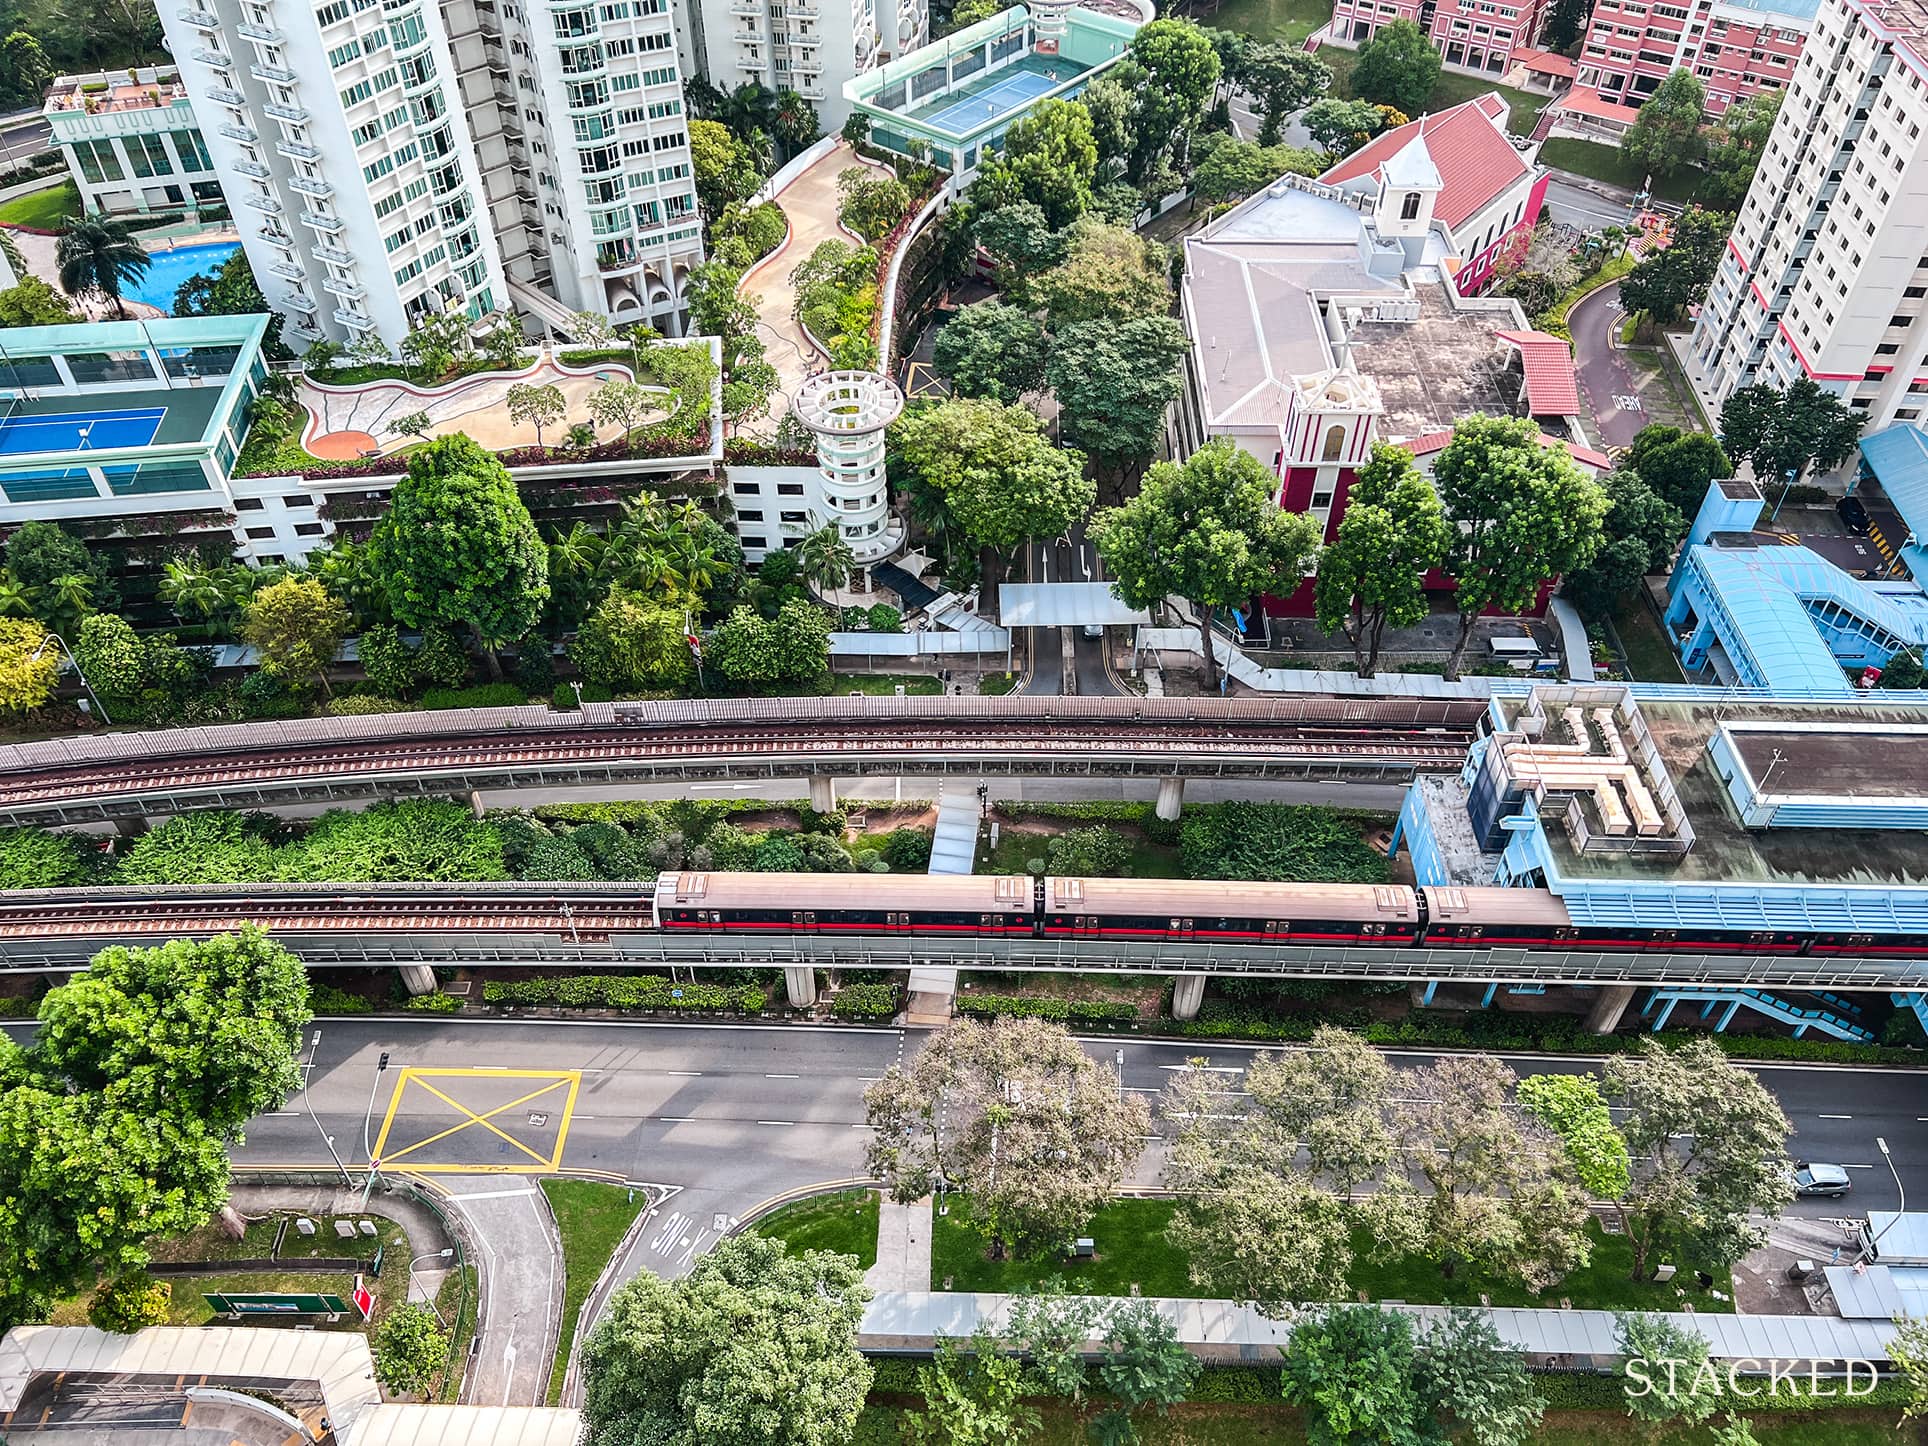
x,y
1834,1117
284,1114
783,1076
675,1119
1857,1167
685,1073
494,1194
776,1122
491,1066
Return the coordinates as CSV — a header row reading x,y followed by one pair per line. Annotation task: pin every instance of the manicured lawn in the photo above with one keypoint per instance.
x,y
1132,1250
592,1219
845,1222
47,210
1285,20
885,685
1607,163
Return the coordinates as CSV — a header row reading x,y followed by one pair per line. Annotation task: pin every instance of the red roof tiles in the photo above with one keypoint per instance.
x,y
1469,148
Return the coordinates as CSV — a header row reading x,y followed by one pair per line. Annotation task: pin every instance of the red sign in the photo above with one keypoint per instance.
x,y
363,1300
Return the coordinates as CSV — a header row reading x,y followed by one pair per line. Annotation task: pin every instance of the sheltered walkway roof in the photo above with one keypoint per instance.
x,y
1064,605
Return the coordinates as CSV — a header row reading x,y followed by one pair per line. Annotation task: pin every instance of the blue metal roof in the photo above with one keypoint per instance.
x,y
1898,457
1761,623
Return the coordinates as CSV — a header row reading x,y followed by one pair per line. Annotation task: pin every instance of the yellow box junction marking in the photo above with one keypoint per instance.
x,y
538,1163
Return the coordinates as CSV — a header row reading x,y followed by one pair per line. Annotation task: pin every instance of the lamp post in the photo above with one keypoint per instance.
x,y
427,1300
314,1046
374,1165
78,671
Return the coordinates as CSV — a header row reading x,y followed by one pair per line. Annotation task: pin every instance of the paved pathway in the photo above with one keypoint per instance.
x,y
903,1247
1625,389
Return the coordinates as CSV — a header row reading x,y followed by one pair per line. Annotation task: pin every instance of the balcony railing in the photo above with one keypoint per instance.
x,y
244,134
346,290
274,74
266,204
221,95
199,19
311,186
299,150
254,169
299,302
361,321
219,59
287,271
334,254
293,114
266,34
322,222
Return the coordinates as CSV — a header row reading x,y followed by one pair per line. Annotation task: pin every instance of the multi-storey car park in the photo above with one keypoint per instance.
x,y
388,160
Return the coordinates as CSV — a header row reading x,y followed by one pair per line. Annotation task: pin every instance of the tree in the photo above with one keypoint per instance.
x,y
1570,1105
1180,76
536,406
793,647
115,1120
39,553
991,351
1783,433
1000,480
1504,1197
1908,1350
1668,281
410,1347
1373,573
433,342
100,256
1231,1226
1477,1385
793,121
1206,530
752,1348
620,404
231,290
1642,530
1234,169
973,1398
1113,382
32,302
1113,108
129,1302
298,629
1352,1371
724,169
1566,22
824,558
503,343
1109,273
1397,67
628,643
1677,465
1342,126
1049,159
1667,1376
591,328
458,547
1282,79
1145,1364
1709,1150
1666,136
27,70
1017,1116
1521,513
1735,146
29,669
411,424
1021,242
871,203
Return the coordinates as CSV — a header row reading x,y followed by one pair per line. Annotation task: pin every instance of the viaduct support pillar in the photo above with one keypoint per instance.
x,y
475,802
823,792
1608,1005
130,827
800,983
1188,992
1171,797
419,978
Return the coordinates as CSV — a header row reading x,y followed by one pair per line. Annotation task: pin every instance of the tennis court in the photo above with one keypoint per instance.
x,y
1010,92
78,431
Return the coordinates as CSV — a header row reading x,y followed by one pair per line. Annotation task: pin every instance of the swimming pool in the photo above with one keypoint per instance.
x,y
171,268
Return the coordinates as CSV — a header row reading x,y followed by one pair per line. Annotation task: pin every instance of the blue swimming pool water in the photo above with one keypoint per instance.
x,y
171,268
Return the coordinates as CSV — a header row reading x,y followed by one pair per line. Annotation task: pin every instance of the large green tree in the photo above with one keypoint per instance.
x,y
1233,169
459,548
629,641
99,256
1397,67
1113,382
1735,146
1373,573
1281,79
1642,529
1180,72
1209,531
1342,126
1049,159
1354,1373
753,1347
116,1120
992,351
231,290
1678,465
1664,1372
32,302
725,169
297,628
1668,281
1109,273
1666,137
972,1397
1476,1384
1783,433
1522,514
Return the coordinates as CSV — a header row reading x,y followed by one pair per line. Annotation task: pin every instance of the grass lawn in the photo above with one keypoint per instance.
x,y
1132,1250
1290,21
1607,163
997,684
1017,847
592,1219
48,210
1649,658
845,1222
885,685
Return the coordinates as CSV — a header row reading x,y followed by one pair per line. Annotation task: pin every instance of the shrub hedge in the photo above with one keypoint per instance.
x,y
18,1006
1017,1006
618,991
1142,816
865,1001
434,1004
326,999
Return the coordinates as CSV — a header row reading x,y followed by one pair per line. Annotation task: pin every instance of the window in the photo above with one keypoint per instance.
x,y
1409,206
308,529
789,489
749,514
1335,444
756,542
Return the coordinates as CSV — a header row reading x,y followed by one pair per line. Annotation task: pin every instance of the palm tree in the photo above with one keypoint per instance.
x,y
187,587
750,107
824,558
101,256
793,121
575,553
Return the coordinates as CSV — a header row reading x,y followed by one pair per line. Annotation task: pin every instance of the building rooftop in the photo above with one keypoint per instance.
x,y
1447,364
107,92
1799,14
1466,148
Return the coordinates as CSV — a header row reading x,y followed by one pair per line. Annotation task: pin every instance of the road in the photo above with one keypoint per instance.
x,y
22,137
1065,560
1577,204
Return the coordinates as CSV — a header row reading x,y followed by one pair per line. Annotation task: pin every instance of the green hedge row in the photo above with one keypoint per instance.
x,y
617,991
865,1001
1143,816
1001,1006
434,1004
326,999
19,1007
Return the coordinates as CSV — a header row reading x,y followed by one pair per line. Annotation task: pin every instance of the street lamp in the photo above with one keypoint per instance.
x,y
374,1165
78,672
427,1300
314,1047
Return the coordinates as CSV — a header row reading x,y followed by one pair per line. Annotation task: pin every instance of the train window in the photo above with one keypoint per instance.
x,y
1566,933
796,916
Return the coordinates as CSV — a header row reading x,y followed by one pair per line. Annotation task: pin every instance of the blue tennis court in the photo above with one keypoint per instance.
x,y
1017,89
79,431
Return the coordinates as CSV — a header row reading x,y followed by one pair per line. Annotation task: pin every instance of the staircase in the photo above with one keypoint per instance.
x,y
1660,1003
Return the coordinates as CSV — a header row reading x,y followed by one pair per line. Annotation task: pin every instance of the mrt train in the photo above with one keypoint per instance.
x,y
1201,911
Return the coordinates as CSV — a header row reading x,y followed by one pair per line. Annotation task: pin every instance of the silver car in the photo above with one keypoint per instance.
x,y
1815,1181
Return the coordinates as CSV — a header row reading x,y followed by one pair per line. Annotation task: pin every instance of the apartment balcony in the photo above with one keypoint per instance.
x,y
266,34
346,290
199,19
298,150
812,66
253,168
244,134
322,222
332,253
221,95
219,59
311,186
275,236
746,37
296,115
287,271
595,70
274,74
267,205
300,303
359,320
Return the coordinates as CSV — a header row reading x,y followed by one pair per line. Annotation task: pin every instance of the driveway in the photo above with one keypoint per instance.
x,y
1624,388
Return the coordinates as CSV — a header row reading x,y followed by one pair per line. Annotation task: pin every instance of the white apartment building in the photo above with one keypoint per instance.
x,y
131,142
1826,274
809,46
389,158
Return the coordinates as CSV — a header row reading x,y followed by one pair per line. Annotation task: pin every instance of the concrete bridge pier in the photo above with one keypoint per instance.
x,y
823,792
800,984
475,803
419,978
130,827
1171,797
1188,992
1609,1004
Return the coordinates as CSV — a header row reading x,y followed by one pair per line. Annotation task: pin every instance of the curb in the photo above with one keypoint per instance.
x,y
790,1197
600,1290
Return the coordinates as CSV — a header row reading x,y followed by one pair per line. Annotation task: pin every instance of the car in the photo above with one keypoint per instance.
x,y
1094,630
1853,514
1817,1181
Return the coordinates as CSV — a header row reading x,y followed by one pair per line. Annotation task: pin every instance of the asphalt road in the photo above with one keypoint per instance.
x,y
23,138
1579,206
